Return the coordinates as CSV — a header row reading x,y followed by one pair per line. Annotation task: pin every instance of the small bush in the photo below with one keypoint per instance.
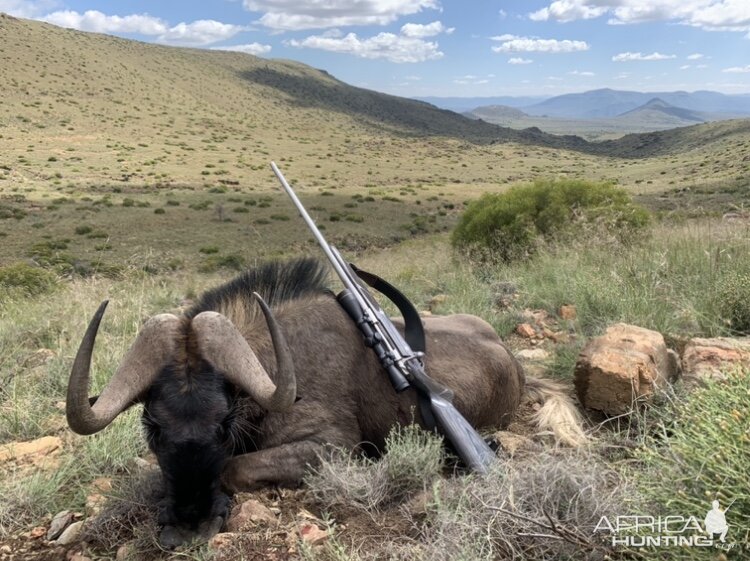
x,y
27,279
208,250
414,459
733,300
510,226
213,263
698,452
159,211
83,230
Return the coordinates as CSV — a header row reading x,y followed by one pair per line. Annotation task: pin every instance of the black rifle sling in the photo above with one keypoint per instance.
x,y
413,329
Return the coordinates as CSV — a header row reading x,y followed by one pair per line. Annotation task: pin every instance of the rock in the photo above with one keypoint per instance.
x,y
512,443
568,312
705,359
312,534
525,330
37,532
435,301
102,484
560,337
248,514
125,551
224,542
94,504
39,447
532,355
71,533
61,521
623,367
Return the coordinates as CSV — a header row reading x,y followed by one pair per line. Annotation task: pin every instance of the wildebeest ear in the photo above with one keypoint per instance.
x,y
296,399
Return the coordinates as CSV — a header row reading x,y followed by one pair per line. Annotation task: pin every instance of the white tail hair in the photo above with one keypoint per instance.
x,y
558,414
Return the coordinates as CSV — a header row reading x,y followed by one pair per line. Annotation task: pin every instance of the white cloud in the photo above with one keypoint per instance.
x,y
628,57
502,13
197,33
685,67
250,48
581,73
299,14
395,48
695,56
568,10
707,14
737,69
516,44
519,60
471,80
27,8
96,21
428,30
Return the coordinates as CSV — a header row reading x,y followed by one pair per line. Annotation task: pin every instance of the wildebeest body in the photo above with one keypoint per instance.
x,y
240,399
344,397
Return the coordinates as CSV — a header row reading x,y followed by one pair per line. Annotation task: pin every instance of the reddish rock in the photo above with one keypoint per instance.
x,y
568,312
248,514
312,534
39,447
37,532
711,358
525,330
436,301
622,368
224,544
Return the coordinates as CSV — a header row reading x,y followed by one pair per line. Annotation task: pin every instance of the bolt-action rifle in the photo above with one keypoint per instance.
x,y
404,366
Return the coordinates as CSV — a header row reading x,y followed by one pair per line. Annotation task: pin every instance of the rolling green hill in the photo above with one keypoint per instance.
x,y
104,133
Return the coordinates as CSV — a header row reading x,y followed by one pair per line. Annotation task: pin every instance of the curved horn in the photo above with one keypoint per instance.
x,y
151,350
226,349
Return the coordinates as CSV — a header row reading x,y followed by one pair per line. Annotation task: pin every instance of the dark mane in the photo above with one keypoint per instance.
x,y
276,282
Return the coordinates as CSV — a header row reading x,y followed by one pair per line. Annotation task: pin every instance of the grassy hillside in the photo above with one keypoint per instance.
x,y
99,133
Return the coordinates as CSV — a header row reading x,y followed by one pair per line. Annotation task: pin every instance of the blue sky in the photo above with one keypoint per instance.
x,y
452,47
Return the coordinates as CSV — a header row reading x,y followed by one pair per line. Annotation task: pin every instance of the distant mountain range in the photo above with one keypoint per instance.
x,y
603,103
654,115
463,104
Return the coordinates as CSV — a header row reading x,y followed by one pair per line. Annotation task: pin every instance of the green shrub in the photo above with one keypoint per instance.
x,y
27,279
733,300
83,230
511,225
699,452
232,261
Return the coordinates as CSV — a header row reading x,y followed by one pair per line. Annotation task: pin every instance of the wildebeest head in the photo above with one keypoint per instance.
x,y
185,373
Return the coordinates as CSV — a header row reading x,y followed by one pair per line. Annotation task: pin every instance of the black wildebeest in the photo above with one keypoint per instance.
x,y
235,399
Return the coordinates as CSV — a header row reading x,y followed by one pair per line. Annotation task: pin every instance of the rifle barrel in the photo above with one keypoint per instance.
x,y
311,224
